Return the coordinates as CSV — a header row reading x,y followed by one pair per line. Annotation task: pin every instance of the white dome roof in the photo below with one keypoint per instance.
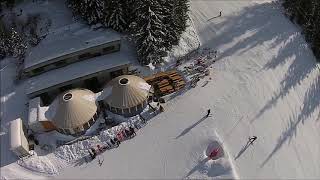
x,y
126,91
72,109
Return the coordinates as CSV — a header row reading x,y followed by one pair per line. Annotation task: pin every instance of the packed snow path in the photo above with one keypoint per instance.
x,y
266,83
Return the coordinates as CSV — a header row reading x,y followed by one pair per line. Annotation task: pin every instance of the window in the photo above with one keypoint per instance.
x,y
91,122
113,109
116,73
95,116
60,131
67,131
60,63
78,129
108,49
133,109
96,54
38,70
108,107
139,107
118,110
85,56
86,125
126,111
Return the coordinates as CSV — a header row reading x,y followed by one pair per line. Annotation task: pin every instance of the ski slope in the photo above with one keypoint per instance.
x,y
266,83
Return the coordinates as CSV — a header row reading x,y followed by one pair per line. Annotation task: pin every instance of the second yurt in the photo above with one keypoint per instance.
x,y
126,95
73,112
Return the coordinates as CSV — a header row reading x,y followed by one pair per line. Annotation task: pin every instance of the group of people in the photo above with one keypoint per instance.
x,y
126,133
115,141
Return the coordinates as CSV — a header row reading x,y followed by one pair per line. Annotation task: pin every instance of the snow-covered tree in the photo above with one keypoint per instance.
x,y
149,32
175,18
180,14
11,43
90,10
167,13
307,14
130,7
156,25
115,15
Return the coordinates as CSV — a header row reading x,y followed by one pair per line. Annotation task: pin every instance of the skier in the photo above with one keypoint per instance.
x,y
108,144
117,141
220,13
113,142
208,112
100,161
131,129
252,139
100,149
92,153
127,133
143,120
120,135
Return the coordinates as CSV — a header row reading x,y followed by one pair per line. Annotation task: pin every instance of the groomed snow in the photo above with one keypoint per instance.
x,y
265,83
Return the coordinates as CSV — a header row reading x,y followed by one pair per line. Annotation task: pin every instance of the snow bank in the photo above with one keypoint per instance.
x,y
40,164
220,168
78,150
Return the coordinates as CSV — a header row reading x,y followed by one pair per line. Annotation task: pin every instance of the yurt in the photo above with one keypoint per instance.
x,y
126,95
73,112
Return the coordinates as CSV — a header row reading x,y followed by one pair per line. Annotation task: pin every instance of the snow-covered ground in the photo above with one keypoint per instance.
x,y
265,83
13,106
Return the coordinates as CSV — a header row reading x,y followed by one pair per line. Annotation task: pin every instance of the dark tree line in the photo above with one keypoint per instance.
x,y
155,25
307,14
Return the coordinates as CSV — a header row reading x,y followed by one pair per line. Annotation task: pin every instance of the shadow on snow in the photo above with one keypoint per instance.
x,y
264,25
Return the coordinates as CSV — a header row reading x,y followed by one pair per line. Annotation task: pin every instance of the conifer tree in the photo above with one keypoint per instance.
x,y
11,43
307,14
155,25
149,32
115,15
90,10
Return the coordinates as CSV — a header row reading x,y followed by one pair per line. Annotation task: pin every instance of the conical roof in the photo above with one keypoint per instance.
x,y
126,91
72,108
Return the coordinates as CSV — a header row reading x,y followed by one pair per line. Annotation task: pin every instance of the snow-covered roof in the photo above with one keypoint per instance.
x,y
78,70
67,40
